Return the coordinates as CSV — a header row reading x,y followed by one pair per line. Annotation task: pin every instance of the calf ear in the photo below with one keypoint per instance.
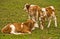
x,y
27,6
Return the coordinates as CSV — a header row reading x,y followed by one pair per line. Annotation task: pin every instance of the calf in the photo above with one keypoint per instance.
x,y
48,13
40,14
34,12
19,28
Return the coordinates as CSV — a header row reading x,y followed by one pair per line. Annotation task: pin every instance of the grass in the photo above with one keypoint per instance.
x,y
12,11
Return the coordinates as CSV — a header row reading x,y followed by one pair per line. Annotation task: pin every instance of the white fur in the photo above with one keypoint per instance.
x,y
55,22
44,11
13,30
49,23
22,25
41,27
54,19
33,28
29,32
36,25
32,5
52,7
17,33
24,8
40,18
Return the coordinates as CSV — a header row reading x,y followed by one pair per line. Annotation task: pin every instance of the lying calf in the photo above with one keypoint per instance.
x,y
19,28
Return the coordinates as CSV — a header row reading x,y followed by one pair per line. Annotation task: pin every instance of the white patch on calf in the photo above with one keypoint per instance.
x,y
24,8
32,5
22,25
36,25
33,28
44,11
41,27
18,33
54,17
12,28
52,7
39,18
49,23
55,22
29,32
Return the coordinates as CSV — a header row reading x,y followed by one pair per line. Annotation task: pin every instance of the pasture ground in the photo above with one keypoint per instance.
x,y
12,11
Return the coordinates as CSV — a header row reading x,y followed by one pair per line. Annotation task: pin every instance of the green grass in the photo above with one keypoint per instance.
x,y
12,11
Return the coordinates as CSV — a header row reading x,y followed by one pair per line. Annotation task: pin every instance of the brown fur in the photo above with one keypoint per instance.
x,y
27,26
37,14
49,11
6,29
49,16
32,11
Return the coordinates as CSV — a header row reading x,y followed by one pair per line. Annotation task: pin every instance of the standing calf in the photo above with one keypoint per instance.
x,y
33,12
48,13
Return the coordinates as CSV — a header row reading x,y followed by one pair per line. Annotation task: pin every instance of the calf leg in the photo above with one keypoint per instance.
x,y
54,17
41,23
36,22
49,23
55,20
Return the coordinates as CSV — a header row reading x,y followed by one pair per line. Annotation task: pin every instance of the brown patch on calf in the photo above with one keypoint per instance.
x,y
33,11
27,26
28,6
6,29
30,24
49,11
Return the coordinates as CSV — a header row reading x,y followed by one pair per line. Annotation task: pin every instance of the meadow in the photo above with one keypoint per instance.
x,y
12,11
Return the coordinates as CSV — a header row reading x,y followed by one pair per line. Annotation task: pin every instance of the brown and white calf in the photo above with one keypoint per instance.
x,y
19,28
33,12
40,14
48,13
